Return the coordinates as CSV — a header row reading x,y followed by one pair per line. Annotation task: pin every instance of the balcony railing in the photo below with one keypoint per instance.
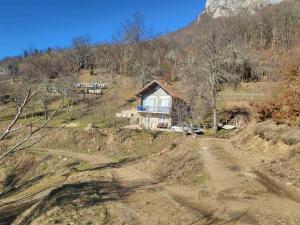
x,y
154,109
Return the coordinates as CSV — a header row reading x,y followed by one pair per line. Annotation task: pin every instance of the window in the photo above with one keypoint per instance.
x,y
146,102
152,102
161,118
165,102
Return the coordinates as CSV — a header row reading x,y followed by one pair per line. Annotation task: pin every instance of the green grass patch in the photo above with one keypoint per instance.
x,y
198,179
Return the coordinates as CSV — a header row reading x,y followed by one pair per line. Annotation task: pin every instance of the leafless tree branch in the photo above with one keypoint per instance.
x,y
25,126
28,97
17,147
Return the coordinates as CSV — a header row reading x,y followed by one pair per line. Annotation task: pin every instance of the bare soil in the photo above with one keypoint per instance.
x,y
236,187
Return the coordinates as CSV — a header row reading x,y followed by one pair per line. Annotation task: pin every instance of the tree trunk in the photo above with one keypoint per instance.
x,y
214,108
46,113
215,126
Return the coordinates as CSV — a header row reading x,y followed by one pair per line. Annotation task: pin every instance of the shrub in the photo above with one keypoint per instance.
x,y
154,135
275,133
298,122
173,146
284,109
291,137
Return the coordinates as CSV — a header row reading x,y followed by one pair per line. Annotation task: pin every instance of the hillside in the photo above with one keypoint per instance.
x,y
66,158
219,8
117,179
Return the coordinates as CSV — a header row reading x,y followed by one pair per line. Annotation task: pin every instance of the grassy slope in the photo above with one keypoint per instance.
x,y
100,111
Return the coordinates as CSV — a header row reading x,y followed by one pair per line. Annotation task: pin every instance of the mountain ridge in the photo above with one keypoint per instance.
x,y
225,8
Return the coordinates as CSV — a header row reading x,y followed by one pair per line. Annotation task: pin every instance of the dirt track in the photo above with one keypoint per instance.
x,y
234,193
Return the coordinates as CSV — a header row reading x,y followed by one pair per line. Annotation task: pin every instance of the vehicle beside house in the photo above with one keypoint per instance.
x,y
187,129
161,106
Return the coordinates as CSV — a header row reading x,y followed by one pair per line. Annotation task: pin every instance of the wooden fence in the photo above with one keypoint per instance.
x,y
242,96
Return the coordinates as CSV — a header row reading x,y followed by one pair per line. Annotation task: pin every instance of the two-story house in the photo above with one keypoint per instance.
x,y
157,105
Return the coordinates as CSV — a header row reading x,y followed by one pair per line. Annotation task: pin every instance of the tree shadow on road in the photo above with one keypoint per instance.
x,y
210,218
79,195
82,194
15,189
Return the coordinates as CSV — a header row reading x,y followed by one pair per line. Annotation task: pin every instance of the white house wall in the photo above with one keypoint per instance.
x,y
158,98
154,120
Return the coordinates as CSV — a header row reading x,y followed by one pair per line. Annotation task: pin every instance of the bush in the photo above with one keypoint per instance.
x,y
286,108
275,133
298,122
154,135
291,137
173,146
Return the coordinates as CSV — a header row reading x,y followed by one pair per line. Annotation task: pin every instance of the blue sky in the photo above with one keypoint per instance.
x,y
38,24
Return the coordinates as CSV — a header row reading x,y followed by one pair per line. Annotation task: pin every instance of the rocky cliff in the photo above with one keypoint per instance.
x,y
218,8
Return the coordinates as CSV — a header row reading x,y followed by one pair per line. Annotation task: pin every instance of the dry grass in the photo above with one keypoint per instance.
x,y
173,159
276,133
29,174
71,215
177,164
76,140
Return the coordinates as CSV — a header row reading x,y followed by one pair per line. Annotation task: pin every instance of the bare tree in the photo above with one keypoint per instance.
x,y
181,112
129,37
32,131
17,95
44,98
13,69
82,52
104,58
66,87
4,90
209,72
133,31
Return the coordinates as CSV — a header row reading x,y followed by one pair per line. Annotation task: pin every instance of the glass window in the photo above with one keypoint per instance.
x,y
161,118
165,102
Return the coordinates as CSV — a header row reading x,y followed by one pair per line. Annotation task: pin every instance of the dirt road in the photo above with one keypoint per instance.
x,y
152,203
235,191
238,185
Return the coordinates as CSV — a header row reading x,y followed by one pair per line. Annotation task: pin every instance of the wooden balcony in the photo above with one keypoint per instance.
x,y
154,109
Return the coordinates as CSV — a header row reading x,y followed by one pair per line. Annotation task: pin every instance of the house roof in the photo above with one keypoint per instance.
x,y
164,86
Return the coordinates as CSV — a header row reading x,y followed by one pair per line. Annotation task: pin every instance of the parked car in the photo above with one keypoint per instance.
x,y
198,130
228,127
162,125
180,129
187,129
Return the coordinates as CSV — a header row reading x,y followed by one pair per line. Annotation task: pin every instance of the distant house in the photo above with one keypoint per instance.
x,y
160,106
90,88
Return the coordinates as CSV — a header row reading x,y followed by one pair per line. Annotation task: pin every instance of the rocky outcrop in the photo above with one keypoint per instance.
x,y
219,8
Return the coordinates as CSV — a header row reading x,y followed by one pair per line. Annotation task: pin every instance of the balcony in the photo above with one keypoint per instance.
x,y
154,109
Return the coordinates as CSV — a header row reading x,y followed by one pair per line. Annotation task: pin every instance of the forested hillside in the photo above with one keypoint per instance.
x,y
66,157
205,55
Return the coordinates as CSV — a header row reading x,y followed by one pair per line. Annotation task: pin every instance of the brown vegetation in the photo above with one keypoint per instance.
x,y
229,50
178,164
275,133
203,58
286,107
